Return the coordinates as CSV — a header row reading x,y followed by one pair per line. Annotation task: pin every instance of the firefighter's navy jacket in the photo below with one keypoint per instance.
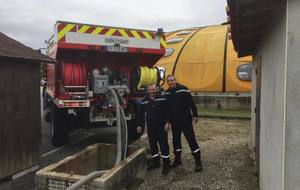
x,y
180,104
154,112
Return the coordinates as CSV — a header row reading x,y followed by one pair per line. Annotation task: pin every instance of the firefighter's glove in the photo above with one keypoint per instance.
x,y
167,126
195,120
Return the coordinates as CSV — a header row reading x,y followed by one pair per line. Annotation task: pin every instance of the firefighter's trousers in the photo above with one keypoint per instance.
x,y
188,131
158,136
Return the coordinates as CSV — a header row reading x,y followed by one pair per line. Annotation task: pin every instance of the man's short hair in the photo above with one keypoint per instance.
x,y
170,76
151,85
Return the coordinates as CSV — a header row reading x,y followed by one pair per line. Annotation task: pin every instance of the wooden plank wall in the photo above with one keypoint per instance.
x,y
20,124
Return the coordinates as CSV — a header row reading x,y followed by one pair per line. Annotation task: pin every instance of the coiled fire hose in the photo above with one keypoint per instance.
x,y
150,76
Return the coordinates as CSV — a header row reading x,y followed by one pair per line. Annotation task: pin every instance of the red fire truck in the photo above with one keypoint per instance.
x,y
91,59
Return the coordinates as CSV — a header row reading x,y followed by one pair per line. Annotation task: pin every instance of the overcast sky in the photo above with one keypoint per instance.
x,y
31,21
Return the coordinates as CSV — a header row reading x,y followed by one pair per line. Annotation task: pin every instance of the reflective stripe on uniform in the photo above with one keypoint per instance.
x,y
197,150
160,99
146,102
178,150
168,156
182,90
155,155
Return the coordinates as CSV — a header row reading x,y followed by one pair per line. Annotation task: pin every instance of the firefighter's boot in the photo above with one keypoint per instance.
x,y
198,162
177,160
154,164
166,166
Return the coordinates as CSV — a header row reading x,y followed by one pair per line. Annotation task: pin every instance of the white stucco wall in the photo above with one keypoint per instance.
x,y
280,101
272,51
292,128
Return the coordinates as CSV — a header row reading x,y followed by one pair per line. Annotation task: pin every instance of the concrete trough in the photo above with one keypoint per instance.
x,y
98,157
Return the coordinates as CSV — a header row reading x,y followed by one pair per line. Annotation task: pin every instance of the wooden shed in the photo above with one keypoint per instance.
x,y
20,123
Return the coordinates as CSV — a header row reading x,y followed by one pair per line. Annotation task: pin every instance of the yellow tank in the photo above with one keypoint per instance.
x,y
204,60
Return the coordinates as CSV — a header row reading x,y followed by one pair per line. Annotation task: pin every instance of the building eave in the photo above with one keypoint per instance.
x,y
249,20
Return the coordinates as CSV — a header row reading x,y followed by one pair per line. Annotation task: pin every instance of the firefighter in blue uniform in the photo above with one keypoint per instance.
x,y
154,114
183,114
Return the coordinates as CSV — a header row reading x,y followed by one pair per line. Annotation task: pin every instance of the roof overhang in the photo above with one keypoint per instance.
x,y
34,60
14,50
249,20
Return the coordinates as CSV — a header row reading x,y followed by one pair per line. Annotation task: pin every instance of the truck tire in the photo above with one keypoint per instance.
x,y
46,107
47,115
59,128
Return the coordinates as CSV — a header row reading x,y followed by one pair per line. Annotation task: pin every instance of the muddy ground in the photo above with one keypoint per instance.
x,y
225,155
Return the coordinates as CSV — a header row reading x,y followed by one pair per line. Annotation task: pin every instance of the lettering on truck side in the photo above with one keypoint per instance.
x,y
116,40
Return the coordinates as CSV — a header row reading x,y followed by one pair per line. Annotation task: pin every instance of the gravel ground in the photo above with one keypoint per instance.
x,y
225,156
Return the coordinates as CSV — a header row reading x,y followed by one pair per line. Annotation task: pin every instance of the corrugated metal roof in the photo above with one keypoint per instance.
x,y
10,48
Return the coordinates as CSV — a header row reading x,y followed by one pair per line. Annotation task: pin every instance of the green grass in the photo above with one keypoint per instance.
x,y
223,113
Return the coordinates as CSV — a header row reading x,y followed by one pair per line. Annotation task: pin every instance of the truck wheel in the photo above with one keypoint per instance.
x,y
46,107
47,115
59,128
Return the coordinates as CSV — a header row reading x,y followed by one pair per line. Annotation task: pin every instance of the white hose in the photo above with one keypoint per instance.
x,y
119,129
121,154
124,122
86,179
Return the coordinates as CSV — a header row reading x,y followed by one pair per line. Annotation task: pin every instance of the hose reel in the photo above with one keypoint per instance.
x,y
147,76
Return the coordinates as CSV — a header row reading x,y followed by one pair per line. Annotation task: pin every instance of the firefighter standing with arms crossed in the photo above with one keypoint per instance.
x,y
154,114
183,114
